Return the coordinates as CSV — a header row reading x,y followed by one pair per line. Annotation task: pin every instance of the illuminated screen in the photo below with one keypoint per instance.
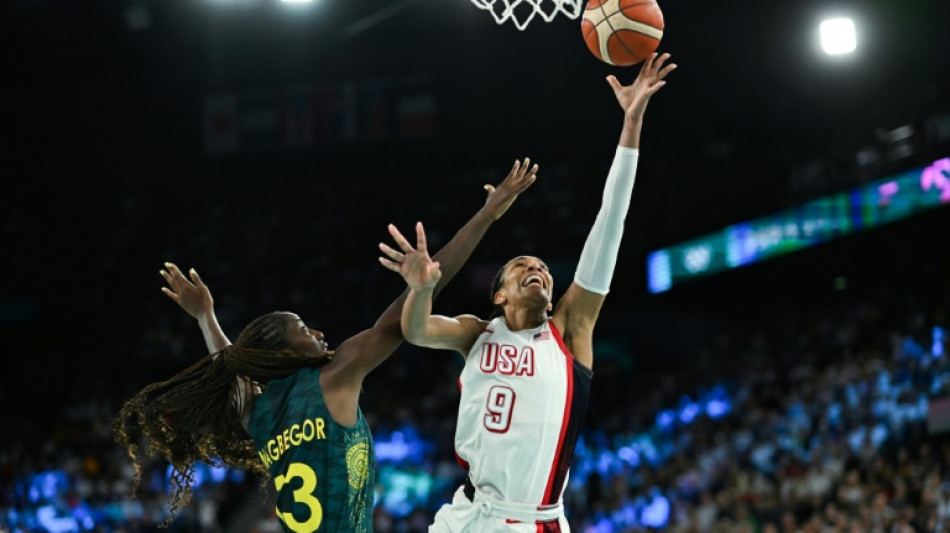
x,y
814,222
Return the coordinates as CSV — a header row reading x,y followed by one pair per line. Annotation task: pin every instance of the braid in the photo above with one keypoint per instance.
x,y
195,415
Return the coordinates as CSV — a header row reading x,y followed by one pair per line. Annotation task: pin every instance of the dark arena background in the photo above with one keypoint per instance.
x,y
773,353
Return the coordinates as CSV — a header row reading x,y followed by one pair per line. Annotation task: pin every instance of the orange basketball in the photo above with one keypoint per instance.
x,y
622,32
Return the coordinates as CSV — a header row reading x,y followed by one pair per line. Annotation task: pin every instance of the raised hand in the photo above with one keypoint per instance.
x,y
192,295
633,98
414,264
521,177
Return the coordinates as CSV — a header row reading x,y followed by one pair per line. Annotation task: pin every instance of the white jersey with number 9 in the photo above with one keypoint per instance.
x,y
522,406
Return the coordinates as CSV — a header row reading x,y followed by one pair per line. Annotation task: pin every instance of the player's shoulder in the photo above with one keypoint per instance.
x,y
471,328
472,321
471,318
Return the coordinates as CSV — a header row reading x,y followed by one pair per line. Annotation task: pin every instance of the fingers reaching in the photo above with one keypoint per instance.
x,y
421,239
174,271
400,240
658,69
178,283
614,83
391,265
191,294
168,292
169,278
521,169
666,70
647,65
173,275
523,174
395,257
196,278
531,177
653,63
654,88
527,170
413,264
653,69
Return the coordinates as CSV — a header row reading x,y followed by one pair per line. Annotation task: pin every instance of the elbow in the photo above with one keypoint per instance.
x,y
410,333
419,335
415,338
412,339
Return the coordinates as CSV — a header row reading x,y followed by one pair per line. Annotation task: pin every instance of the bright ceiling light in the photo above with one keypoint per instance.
x,y
838,36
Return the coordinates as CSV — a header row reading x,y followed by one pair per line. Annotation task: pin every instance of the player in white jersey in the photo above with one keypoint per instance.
x,y
527,375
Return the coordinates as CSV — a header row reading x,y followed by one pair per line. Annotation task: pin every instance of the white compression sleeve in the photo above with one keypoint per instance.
x,y
599,257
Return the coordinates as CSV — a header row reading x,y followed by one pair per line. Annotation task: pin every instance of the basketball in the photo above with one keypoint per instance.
x,y
622,32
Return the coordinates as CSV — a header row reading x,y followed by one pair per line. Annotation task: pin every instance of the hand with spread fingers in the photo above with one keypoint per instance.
x,y
192,295
521,176
414,264
633,98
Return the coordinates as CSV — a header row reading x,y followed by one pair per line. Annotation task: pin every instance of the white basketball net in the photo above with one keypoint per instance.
x,y
521,12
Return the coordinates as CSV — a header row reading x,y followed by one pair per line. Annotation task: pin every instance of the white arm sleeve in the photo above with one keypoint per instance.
x,y
596,266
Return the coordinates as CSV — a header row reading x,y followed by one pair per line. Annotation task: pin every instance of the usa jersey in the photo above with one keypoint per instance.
x,y
523,399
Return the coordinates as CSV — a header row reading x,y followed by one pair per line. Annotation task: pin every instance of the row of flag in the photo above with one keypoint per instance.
x,y
324,113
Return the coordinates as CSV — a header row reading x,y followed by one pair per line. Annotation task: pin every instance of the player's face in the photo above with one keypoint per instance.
x,y
305,341
526,280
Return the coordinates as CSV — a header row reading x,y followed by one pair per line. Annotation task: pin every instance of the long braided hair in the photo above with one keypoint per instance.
x,y
196,415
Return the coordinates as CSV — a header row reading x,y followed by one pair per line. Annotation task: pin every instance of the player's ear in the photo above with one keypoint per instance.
x,y
550,307
500,298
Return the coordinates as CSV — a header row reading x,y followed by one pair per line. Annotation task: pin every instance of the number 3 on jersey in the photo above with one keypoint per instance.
x,y
501,400
303,495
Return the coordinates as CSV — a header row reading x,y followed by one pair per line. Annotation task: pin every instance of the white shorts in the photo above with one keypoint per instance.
x,y
486,515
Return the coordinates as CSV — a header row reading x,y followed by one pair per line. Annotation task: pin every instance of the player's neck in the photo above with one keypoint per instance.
x,y
524,318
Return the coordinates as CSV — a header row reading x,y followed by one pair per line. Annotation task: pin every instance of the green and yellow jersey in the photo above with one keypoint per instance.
x,y
324,472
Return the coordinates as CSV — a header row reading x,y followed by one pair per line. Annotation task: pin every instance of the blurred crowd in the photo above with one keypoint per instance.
x,y
810,420
827,433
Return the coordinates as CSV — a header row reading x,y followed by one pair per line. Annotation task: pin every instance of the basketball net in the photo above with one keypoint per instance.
x,y
521,12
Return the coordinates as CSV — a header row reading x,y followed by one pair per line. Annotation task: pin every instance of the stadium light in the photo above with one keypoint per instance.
x,y
838,36
296,1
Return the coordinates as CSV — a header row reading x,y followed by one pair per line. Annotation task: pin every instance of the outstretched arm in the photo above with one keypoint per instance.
x,y
580,306
195,298
422,274
360,354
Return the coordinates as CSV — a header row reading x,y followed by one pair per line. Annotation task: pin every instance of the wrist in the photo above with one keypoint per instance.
x,y
485,216
424,291
630,134
206,318
633,123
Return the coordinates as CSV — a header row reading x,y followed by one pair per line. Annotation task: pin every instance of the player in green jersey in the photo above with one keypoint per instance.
x,y
280,403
